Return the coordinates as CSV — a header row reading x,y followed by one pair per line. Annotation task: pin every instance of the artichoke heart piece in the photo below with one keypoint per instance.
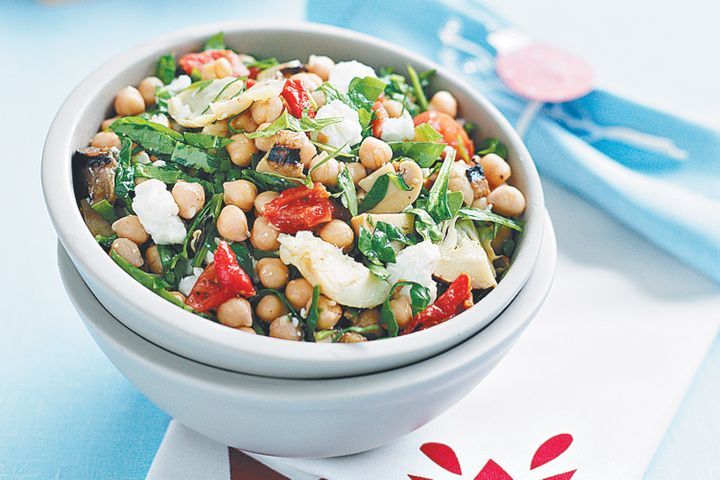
x,y
463,253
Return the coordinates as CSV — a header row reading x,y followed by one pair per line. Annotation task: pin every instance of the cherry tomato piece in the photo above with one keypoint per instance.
x,y
456,299
194,61
453,133
379,118
300,208
208,294
296,98
229,273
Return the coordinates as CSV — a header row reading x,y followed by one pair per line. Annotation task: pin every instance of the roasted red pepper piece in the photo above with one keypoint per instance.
x,y
220,281
456,299
208,294
300,208
192,61
296,98
453,133
231,277
379,118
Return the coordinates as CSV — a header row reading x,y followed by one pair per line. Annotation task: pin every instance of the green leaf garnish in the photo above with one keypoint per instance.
x,y
124,172
347,189
443,204
313,314
488,215
491,145
165,68
105,209
419,300
216,42
288,122
417,88
270,181
376,194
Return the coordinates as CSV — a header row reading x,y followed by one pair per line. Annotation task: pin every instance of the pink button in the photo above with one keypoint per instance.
x,y
545,73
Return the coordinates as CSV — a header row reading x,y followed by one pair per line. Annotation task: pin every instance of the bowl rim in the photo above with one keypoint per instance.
x,y
61,204
494,340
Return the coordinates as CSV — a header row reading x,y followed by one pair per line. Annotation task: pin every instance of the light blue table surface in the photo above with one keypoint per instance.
x,y
65,412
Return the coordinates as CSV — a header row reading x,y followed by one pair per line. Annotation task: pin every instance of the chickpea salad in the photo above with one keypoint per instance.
x,y
318,201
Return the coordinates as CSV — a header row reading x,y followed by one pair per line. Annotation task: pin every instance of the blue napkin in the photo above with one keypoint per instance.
x,y
656,173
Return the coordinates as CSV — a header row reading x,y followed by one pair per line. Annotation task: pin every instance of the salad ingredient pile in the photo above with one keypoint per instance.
x,y
316,201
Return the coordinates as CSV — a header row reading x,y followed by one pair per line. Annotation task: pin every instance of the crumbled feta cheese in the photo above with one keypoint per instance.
x,y
349,131
186,284
398,129
342,74
158,213
416,263
209,257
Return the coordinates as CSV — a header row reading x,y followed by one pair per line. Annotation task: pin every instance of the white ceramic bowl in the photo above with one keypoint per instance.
x,y
308,418
196,338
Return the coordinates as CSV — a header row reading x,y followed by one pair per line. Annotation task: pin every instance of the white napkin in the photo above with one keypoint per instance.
x,y
601,372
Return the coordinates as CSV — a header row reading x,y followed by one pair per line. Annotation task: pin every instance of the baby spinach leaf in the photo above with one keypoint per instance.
x,y
312,315
425,226
270,181
165,68
362,92
105,241
377,245
205,141
425,154
148,280
419,300
124,172
488,215
376,194
378,270
491,145
244,258
153,137
426,133
189,156
264,64
347,189
204,222
216,42
288,122
165,174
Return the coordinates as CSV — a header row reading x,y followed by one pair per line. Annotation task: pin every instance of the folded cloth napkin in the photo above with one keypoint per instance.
x,y
656,173
591,386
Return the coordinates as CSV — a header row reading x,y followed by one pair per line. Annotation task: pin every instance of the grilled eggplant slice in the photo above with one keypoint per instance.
x,y
97,167
283,161
478,182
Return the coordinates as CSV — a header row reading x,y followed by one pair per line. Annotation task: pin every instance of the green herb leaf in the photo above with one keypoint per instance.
x,y
417,88
491,145
347,189
105,241
419,301
378,270
153,137
204,222
377,245
288,122
426,133
216,42
189,156
124,172
165,68
313,314
106,210
376,194
425,154
442,204
148,280
264,64
270,181
283,299
363,92
242,253
425,226
487,215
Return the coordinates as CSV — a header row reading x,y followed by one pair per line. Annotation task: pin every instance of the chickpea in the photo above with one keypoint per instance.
x,y
179,296
480,203
290,139
269,308
328,172
357,171
240,193
219,129
263,199
128,250
190,198
107,122
367,318
222,68
444,102
320,65
458,182
307,153
311,81
402,310
235,313
393,107
266,110
319,98
232,224
129,101
507,200
241,150
130,227
329,312
374,153
105,140
298,292
497,170
264,144
152,258
147,89
264,235
352,337
273,273
286,328
244,122
338,233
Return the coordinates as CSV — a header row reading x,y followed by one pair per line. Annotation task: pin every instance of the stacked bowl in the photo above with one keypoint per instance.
x,y
258,393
